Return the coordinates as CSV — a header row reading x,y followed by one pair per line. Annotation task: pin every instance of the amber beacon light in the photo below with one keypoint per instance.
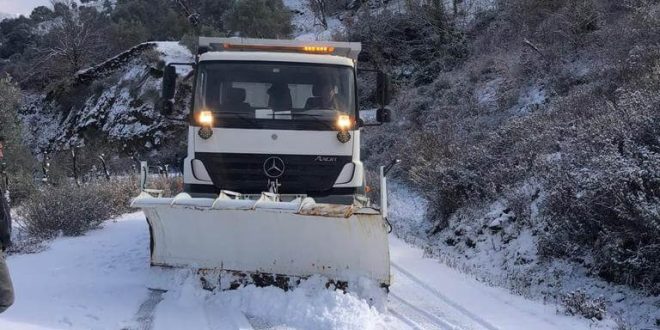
x,y
318,49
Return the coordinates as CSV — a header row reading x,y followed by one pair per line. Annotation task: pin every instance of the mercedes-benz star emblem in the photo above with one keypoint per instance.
x,y
274,167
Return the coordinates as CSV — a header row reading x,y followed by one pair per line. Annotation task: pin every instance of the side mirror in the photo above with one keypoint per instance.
x,y
383,89
384,115
168,90
166,107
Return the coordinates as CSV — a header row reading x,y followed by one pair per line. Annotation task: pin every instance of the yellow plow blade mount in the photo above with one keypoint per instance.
x,y
265,236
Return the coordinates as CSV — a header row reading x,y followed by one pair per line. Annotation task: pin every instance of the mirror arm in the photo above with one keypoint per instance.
x,y
372,125
182,63
177,120
190,64
367,70
390,165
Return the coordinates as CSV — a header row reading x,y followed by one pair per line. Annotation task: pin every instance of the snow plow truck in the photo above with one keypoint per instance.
x,y
274,184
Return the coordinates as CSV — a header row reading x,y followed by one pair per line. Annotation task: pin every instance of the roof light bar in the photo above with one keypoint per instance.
x,y
304,49
318,49
344,49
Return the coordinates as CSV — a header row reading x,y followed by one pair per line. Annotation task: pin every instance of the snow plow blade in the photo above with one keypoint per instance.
x,y
265,236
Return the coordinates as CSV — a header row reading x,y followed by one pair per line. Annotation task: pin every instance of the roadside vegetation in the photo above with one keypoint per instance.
x,y
70,209
535,121
69,192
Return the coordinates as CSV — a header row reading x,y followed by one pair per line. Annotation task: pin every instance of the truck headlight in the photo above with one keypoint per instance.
x,y
205,118
344,122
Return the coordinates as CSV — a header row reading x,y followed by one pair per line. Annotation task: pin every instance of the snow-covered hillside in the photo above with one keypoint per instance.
x,y
119,103
489,247
307,26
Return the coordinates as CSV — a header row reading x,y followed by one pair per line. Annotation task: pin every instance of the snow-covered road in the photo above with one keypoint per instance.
x,y
99,281
426,294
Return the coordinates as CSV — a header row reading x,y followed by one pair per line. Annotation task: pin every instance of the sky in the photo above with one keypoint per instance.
x,y
21,6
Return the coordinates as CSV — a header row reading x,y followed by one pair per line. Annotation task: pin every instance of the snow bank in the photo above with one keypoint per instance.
x,y
407,210
309,306
90,282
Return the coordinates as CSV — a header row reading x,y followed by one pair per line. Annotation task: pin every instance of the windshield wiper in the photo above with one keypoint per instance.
x,y
240,115
315,117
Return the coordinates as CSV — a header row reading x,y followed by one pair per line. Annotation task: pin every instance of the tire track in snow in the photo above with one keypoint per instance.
x,y
145,314
431,319
404,319
444,298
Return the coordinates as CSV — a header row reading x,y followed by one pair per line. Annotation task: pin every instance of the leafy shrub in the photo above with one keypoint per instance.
x,y
120,192
170,186
141,20
66,209
72,210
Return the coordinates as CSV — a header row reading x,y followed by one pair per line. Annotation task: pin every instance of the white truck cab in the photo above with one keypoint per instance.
x,y
275,115
273,178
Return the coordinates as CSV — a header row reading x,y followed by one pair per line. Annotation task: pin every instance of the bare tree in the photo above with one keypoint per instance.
x,y
455,4
74,41
324,8
320,10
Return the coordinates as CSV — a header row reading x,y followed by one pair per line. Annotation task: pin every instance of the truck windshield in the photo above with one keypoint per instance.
x,y
275,95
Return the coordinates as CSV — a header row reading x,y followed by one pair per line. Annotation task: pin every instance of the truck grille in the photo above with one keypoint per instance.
x,y
303,174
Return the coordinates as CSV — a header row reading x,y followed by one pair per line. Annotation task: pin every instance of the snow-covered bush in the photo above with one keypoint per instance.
x,y
604,195
579,303
170,186
608,209
114,112
71,210
565,24
65,209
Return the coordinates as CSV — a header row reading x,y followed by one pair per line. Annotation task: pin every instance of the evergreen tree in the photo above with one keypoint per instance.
x,y
259,19
41,14
18,164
